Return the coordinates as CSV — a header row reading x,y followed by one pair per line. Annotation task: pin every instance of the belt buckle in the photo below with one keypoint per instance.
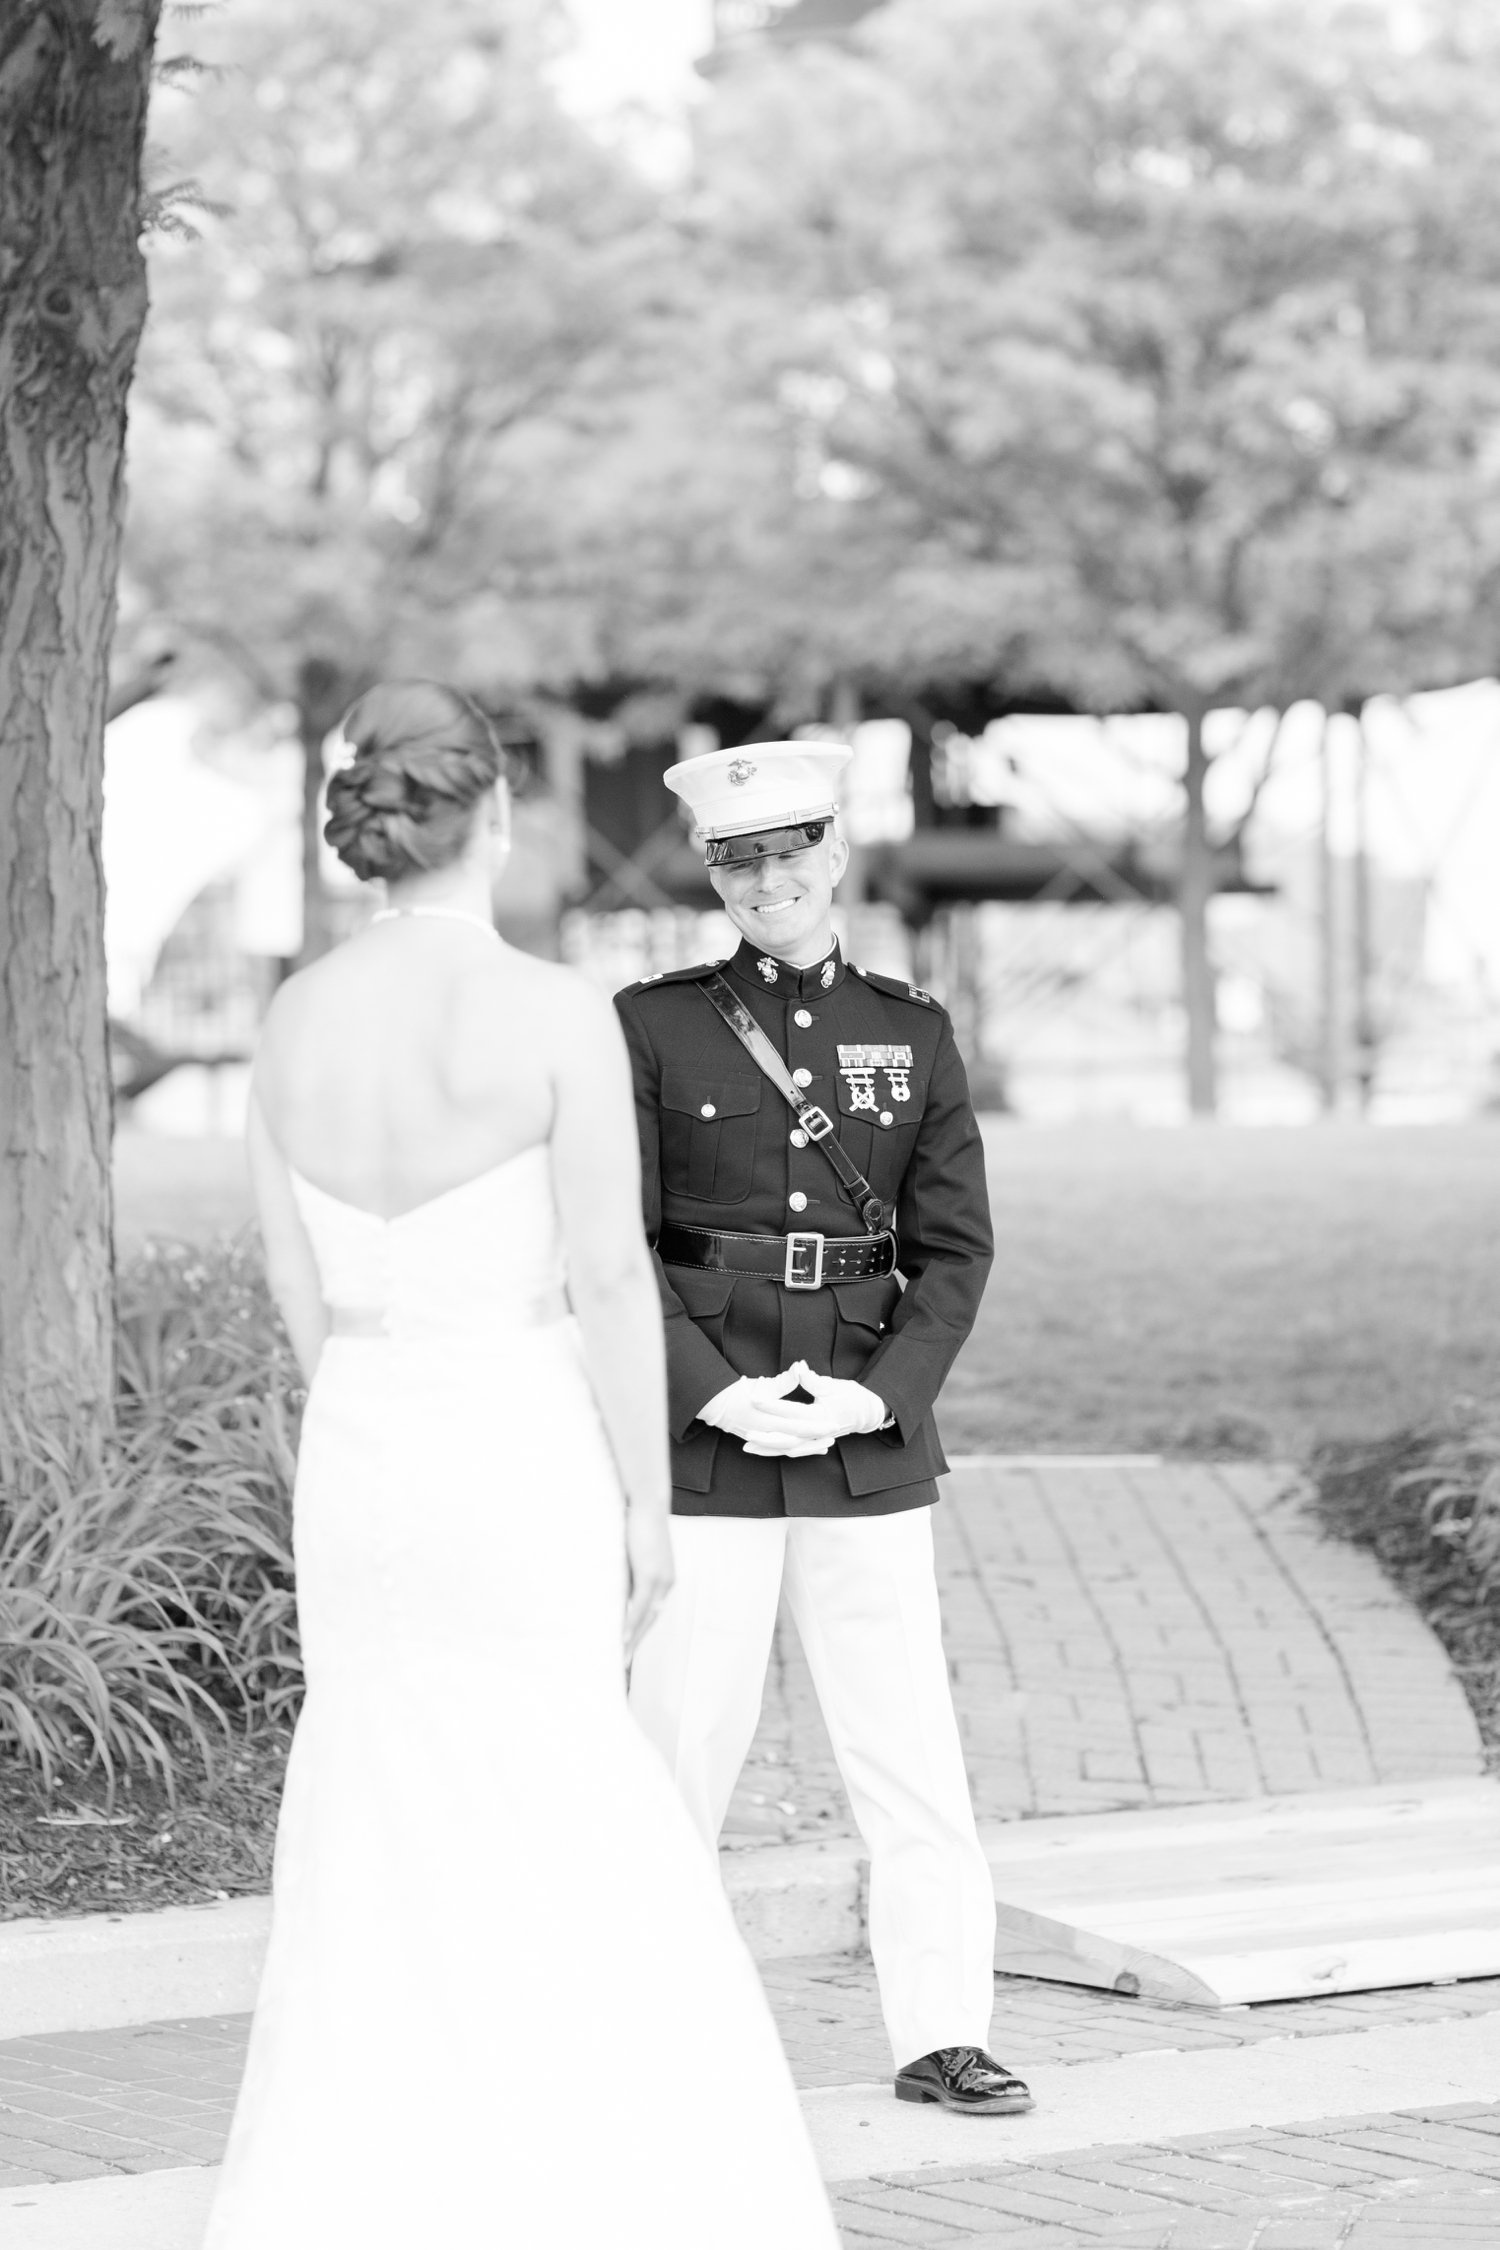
x,y
799,1248
815,1123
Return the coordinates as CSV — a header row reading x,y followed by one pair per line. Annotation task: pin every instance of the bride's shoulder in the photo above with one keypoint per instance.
x,y
294,1000
313,1001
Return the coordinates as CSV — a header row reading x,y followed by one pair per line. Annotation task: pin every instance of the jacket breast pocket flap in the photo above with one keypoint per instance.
x,y
708,1135
709,1099
880,1097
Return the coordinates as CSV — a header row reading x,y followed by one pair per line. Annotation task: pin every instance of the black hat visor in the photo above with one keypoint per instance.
x,y
763,843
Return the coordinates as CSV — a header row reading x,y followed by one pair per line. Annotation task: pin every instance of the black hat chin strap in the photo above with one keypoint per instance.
x,y
815,1123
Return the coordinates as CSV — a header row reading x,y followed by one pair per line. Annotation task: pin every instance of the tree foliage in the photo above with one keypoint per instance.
x,y
359,384
1139,355
1128,335
1144,355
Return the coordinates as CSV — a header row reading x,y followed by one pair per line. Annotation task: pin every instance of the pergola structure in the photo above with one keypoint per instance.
x,y
957,857
639,855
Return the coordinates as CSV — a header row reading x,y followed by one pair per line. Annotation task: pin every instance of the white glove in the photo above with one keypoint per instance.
x,y
839,1408
745,1409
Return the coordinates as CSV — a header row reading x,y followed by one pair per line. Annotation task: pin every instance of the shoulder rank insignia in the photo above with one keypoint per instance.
x,y
673,976
897,988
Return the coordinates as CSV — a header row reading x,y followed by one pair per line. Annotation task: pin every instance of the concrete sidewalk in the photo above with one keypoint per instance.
x,y
1142,1635
1371,2119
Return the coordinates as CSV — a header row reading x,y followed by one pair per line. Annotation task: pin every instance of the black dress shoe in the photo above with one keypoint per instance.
x,y
963,2078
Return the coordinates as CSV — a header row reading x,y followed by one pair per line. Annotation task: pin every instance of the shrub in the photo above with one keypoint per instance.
x,y
146,1595
1456,1490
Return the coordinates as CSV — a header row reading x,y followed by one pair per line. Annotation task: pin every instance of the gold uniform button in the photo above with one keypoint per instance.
x,y
707,1110
802,1020
886,1118
801,1077
799,1138
797,1201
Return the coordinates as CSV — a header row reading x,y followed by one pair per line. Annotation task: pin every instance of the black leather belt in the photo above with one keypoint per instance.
x,y
801,1261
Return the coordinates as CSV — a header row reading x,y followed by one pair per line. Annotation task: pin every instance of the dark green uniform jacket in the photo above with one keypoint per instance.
x,y
717,1152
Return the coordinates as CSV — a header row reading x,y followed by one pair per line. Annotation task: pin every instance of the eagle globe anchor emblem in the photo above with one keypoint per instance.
x,y
740,772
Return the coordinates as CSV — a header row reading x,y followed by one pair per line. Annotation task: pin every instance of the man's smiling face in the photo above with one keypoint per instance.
x,y
783,904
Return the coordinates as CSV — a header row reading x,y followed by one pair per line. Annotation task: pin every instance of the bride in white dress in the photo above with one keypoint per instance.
x,y
505,2006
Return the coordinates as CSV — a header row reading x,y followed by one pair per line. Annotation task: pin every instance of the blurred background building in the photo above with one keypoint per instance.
x,y
1023,871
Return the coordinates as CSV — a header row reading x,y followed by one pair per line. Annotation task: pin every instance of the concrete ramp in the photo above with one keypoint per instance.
x,y
1277,1898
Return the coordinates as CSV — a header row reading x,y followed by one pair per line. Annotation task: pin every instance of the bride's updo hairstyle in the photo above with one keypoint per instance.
x,y
423,757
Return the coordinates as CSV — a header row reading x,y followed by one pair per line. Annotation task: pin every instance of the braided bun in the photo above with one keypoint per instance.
x,y
423,757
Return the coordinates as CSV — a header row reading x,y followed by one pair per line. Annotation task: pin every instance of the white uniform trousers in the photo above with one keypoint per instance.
x,y
863,1596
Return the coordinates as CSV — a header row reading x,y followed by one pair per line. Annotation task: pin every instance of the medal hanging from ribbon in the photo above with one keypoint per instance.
x,y
859,1066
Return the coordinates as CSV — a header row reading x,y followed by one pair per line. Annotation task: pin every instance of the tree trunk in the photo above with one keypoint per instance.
x,y
74,78
1366,1040
1330,1029
324,694
1194,890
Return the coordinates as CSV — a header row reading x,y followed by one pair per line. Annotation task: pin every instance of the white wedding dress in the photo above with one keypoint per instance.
x,y
505,2006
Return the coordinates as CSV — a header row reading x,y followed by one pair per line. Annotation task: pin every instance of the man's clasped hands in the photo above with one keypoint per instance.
x,y
758,1411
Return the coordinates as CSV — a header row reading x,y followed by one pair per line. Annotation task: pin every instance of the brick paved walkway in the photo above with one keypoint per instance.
x,y
80,2105
1416,2177
1125,1637
74,2104
828,2013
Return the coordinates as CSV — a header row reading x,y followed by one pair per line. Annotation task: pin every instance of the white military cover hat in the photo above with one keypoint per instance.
x,y
764,798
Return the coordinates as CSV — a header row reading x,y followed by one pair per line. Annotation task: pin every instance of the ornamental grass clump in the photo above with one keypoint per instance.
x,y
197,1327
146,1594
1456,1492
1427,1503
103,1648
1425,1499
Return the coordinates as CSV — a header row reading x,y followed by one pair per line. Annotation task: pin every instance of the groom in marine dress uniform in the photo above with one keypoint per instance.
x,y
810,1324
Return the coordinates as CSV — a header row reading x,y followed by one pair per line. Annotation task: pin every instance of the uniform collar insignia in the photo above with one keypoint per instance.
x,y
770,975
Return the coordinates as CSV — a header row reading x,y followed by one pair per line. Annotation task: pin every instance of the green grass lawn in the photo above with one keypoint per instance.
x,y
1213,1290
190,1189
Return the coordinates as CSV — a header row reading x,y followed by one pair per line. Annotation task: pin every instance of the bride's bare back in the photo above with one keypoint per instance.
x,y
418,1056
422,1055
